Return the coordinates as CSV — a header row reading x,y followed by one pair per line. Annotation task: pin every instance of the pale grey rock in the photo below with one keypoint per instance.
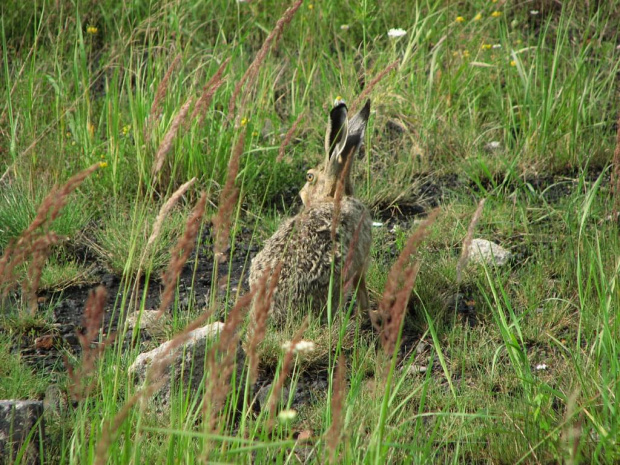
x,y
489,253
186,361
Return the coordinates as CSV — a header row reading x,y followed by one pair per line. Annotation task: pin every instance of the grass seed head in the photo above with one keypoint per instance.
x,y
181,252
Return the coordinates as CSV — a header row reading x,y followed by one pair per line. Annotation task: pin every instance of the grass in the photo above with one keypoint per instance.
x,y
514,103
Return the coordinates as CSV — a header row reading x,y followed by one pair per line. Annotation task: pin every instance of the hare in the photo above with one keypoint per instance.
x,y
332,233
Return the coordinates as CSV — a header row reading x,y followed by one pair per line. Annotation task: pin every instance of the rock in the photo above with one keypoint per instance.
x,y
188,361
17,419
488,253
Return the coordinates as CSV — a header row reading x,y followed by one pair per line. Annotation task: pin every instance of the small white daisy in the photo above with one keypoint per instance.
x,y
395,33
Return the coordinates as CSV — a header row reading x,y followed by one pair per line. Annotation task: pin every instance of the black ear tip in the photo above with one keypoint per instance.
x,y
366,109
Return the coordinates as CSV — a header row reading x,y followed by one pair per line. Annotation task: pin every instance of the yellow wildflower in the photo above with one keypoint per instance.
x,y
103,164
465,53
126,129
486,46
92,30
459,19
310,6
254,133
244,121
478,17
513,63
496,14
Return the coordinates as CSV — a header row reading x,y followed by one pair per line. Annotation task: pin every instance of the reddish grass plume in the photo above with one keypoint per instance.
x,y
36,240
181,252
400,282
222,221
250,75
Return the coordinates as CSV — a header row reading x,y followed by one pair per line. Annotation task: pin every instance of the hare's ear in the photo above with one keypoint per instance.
x,y
344,150
336,134
357,127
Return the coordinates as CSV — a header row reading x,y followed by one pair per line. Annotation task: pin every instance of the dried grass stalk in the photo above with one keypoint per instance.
x,y
36,240
91,350
222,220
181,253
339,394
264,291
207,93
251,73
288,137
160,95
399,285
615,175
166,143
221,362
165,209
368,89
462,264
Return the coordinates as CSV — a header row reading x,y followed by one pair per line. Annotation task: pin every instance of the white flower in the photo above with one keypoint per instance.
x,y
344,27
533,12
301,347
376,224
541,367
497,45
287,415
395,33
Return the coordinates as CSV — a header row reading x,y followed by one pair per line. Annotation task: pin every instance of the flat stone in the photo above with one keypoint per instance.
x,y
17,419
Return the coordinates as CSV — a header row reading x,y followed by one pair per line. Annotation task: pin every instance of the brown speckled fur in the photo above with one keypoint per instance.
x,y
304,243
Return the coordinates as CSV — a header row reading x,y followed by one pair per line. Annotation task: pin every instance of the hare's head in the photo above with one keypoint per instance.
x,y
342,140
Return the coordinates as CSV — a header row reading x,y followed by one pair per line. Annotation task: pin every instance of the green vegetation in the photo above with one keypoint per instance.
x,y
514,102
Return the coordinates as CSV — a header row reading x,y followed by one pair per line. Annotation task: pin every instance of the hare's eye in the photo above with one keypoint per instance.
x,y
310,177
